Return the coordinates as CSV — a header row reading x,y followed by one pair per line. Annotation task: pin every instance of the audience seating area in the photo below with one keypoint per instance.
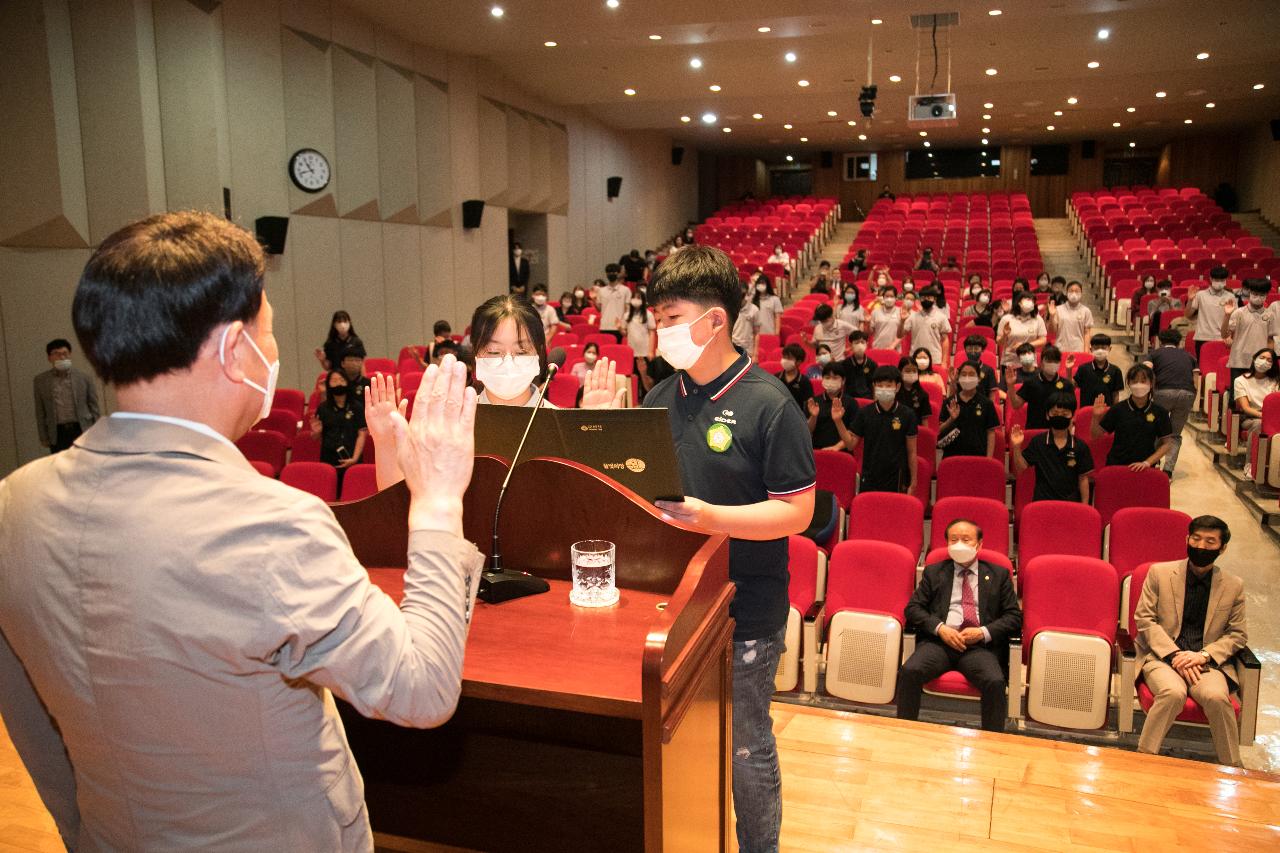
x,y
749,230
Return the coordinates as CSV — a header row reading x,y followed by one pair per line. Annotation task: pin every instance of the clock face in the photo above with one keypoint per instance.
x,y
309,170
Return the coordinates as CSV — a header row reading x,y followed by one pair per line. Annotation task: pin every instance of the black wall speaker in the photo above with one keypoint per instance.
x,y
828,159
1088,149
472,212
271,231
1275,129
677,155
614,186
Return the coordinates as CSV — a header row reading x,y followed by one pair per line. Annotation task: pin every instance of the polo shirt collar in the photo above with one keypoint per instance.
x,y
718,387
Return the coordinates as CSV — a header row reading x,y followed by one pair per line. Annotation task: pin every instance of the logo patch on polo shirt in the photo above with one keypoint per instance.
x,y
1151,417
719,438
1107,379
896,423
1059,385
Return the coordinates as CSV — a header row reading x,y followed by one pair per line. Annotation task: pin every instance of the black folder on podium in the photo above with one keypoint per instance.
x,y
633,447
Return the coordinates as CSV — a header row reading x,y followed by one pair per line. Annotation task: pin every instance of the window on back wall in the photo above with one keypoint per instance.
x,y
860,167
940,163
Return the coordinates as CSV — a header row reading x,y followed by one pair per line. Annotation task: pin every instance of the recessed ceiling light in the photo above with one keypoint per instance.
x,y
1057,112
875,22
685,119
988,106
789,56
984,140
986,116
549,44
1186,121
628,91
1104,33
832,113
764,29
1257,86
655,37
1131,109
991,72
988,130
786,127
1133,145
994,12
612,4
757,116
924,133
927,143
715,87
1048,127
802,83
1073,100
708,118
894,78
1210,105
1095,64
695,63
1202,55
496,11
1162,94
804,139
727,129
790,159
862,137
851,123
1195,93
930,153
1115,124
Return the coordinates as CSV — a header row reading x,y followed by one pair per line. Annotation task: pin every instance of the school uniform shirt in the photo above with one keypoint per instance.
x,y
1136,429
884,436
916,399
1209,313
801,389
1093,380
1251,330
1021,331
884,328
927,329
1073,322
1058,469
550,319
744,328
1174,368
1035,394
741,440
613,305
339,428
837,337
770,310
857,377
852,314
638,329
825,433
968,436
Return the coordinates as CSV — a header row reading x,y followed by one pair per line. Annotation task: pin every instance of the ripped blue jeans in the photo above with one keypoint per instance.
x,y
757,780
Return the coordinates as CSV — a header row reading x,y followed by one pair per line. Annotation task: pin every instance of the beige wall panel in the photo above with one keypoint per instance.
x,y
494,182
362,288
434,168
352,30
309,16
558,277
430,62
255,111
436,289
315,262
9,411
464,147
539,197
559,169
494,259
308,112
192,104
393,49
402,274
42,197
113,130
397,145
593,201
518,160
298,365
36,290
355,113
573,151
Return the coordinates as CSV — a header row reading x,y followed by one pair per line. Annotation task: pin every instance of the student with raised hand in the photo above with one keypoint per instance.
x,y
1252,327
830,415
889,430
974,346
969,420
1207,308
1071,321
1062,460
1099,376
858,368
1021,326
830,330
1035,391
885,320
1142,428
929,328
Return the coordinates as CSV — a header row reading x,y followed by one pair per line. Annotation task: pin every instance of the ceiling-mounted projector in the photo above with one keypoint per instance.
x,y
934,110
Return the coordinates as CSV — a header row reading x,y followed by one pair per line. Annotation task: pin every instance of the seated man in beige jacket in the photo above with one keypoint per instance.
x,y
1190,623
172,623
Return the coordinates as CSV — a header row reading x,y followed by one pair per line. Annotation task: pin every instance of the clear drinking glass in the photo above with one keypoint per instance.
x,y
593,575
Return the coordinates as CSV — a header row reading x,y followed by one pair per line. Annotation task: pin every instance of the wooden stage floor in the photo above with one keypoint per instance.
x,y
854,782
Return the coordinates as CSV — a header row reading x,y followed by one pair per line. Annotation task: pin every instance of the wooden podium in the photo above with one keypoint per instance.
x,y
579,729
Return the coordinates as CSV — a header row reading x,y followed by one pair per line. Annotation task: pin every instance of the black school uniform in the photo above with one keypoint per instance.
x,y
1035,393
977,417
1092,381
884,436
1058,469
1137,430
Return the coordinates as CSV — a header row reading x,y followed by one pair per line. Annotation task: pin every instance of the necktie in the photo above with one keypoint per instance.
x,y
968,604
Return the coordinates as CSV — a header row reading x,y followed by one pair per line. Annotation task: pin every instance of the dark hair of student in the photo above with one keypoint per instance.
x,y
768,289
341,317
886,373
637,310
441,327
794,351
831,369
57,343
1060,400
153,292
976,341
703,275
916,354
1137,371
1273,373
1101,339
822,313
1169,337
491,313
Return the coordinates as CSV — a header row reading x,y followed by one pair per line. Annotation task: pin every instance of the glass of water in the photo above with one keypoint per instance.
x,y
593,575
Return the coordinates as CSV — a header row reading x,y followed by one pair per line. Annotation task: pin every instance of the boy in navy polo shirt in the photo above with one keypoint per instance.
x,y
889,430
748,471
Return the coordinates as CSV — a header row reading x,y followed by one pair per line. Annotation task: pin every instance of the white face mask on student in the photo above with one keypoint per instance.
x,y
675,344
273,372
507,377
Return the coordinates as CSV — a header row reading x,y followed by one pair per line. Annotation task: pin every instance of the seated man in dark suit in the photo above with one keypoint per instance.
x,y
963,612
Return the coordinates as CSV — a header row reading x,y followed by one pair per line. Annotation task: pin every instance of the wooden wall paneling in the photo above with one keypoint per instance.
x,y
193,116
559,169
397,144
540,181
42,199
495,183
355,123
308,115
1200,161
436,287
316,267
402,278
123,161
1259,177
393,49
435,173
518,159
363,293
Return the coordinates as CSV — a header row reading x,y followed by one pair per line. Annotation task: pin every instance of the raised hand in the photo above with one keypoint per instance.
x,y
598,386
1016,436
953,409
837,409
1192,290
381,399
813,407
1228,306
1071,362
1010,373
1099,405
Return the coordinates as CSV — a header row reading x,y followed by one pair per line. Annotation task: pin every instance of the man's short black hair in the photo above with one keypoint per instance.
x,y
446,346
1219,273
824,263
857,335
832,368
956,521
355,349
1024,348
795,352
700,274
56,343
1060,400
441,327
976,341
1170,337
1210,522
1074,283
1101,339
1050,353
822,313
1258,285
539,288
886,373
1060,279
153,292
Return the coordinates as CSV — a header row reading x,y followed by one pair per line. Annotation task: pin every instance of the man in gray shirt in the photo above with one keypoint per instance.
x,y
66,399
1175,387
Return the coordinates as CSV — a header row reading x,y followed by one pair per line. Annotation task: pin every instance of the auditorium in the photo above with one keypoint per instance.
x,y
605,425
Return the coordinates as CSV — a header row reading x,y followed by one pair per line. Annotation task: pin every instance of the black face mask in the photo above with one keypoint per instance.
x,y
1059,421
1202,557
973,354
338,393
926,304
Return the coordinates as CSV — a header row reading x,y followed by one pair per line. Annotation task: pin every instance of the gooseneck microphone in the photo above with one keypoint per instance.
x,y
499,584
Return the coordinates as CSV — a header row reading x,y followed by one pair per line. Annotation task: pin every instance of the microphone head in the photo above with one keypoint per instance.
x,y
556,357
552,370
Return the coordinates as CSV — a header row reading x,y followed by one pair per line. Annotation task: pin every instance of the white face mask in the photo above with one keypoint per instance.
x,y
675,344
1139,389
760,288
962,552
589,357
273,373
968,383
824,358
1260,365
539,300
908,286
62,365
517,252
831,386
636,303
885,395
578,294
983,299
788,364
922,363
1073,298
1101,354
507,377
1257,299
1027,306
1028,360
1217,286
858,349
